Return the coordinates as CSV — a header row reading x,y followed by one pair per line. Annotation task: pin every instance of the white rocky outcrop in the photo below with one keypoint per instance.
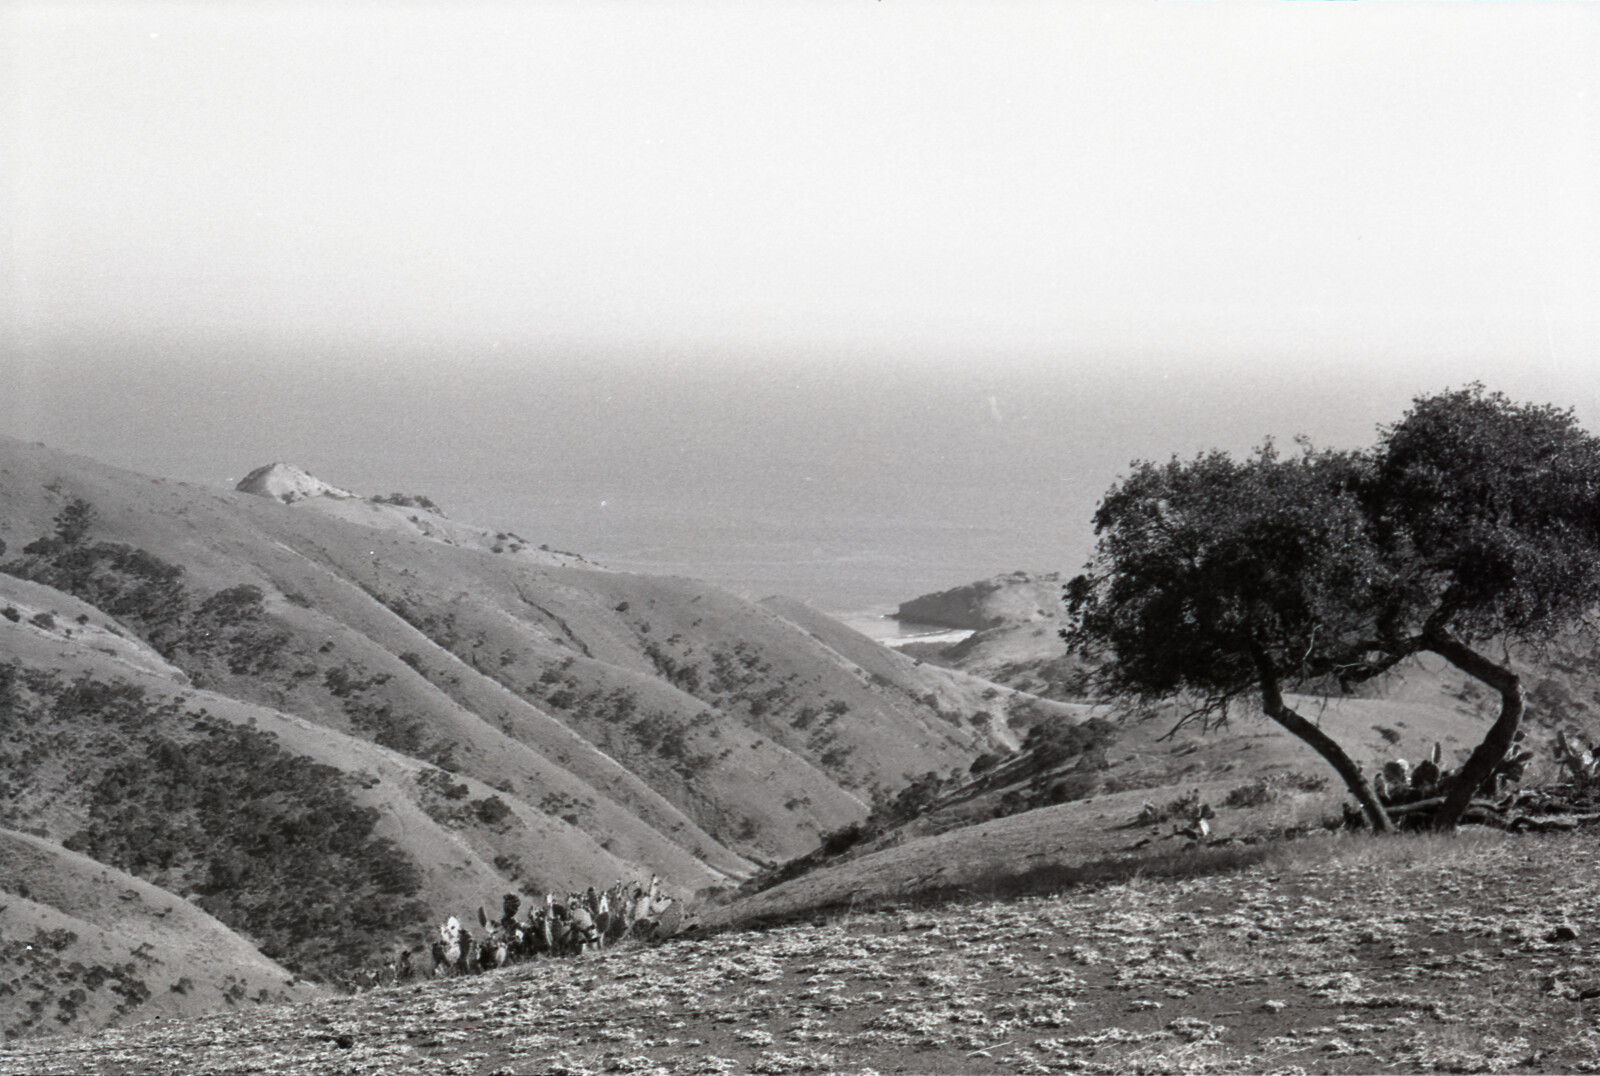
x,y
288,483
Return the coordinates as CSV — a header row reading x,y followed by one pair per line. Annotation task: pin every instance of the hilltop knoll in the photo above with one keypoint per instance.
x,y
287,483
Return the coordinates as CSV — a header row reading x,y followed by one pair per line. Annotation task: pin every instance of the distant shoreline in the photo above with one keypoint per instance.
x,y
883,628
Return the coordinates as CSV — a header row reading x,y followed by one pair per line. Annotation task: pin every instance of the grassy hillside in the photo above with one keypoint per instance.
x,y
1334,955
345,612
86,945
1257,778
331,722
1061,811
1015,598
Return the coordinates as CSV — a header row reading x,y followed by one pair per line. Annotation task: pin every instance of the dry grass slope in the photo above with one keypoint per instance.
x,y
1337,955
490,715
86,945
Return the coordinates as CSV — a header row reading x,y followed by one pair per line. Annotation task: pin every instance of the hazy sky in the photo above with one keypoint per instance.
x,y
247,230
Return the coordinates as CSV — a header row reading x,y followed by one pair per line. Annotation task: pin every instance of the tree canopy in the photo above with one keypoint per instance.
x,y
1472,520
1493,508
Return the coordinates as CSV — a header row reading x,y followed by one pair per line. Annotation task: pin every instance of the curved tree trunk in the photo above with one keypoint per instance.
x,y
1501,735
1273,706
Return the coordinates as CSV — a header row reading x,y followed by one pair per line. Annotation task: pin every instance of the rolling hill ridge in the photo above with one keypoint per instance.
x,y
215,691
310,724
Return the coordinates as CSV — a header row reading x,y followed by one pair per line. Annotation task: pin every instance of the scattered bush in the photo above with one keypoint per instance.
x,y
842,840
344,682
439,782
1054,742
1253,794
398,732
491,810
1073,787
73,523
1271,787
909,802
273,844
1187,807
985,762
147,594
408,500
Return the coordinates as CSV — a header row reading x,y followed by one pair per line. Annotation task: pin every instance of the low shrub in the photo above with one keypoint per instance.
x,y
148,595
839,841
1056,741
1073,787
408,500
491,810
1271,787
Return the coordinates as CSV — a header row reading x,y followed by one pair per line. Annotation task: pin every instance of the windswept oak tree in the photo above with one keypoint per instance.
x,y
1216,578
1473,523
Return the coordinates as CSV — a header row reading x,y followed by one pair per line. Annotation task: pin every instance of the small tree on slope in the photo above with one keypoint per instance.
x,y
1490,512
1214,579
1473,521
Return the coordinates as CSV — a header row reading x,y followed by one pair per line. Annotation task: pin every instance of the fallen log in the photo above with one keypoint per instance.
x,y
1563,817
1523,823
1438,801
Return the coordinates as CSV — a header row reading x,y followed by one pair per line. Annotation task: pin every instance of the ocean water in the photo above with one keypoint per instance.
x,y
856,565
852,484
852,489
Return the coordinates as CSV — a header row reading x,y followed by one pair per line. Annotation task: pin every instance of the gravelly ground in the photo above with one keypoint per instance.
x,y
1350,956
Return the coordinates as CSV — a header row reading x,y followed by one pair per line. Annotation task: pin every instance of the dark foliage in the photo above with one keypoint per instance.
x,y
1201,562
649,740
273,844
1494,504
439,781
1272,787
228,629
985,762
137,588
1052,743
491,810
37,965
916,797
408,500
